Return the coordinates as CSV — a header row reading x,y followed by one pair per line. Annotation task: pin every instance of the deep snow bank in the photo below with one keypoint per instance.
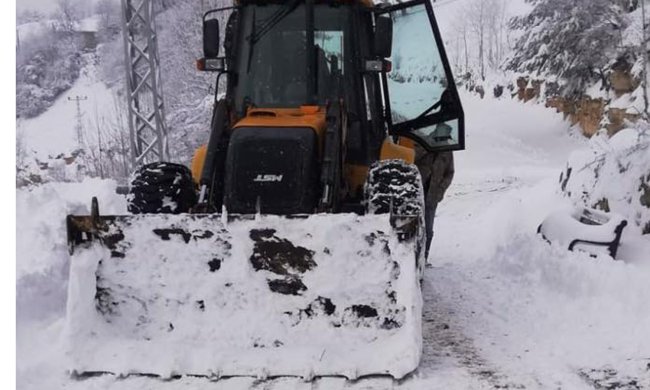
x,y
543,315
613,174
41,268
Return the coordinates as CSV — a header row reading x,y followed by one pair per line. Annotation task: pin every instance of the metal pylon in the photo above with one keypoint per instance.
x,y
79,127
148,133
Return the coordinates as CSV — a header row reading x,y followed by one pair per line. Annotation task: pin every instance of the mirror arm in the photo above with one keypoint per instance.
x,y
428,110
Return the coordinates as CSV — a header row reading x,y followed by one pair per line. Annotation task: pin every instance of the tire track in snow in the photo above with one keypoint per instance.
x,y
444,342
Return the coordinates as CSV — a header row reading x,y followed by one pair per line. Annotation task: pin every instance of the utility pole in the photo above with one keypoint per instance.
x,y
79,125
148,133
99,150
644,53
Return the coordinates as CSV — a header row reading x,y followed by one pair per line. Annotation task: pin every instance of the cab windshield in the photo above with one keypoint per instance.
x,y
272,65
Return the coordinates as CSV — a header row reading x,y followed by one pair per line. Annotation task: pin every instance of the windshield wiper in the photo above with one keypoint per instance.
x,y
250,45
266,26
270,22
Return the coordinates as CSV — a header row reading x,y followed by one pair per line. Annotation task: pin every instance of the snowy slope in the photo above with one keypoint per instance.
x,y
501,307
53,132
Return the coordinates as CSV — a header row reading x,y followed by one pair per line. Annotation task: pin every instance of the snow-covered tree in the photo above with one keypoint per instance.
x,y
188,93
574,40
67,15
480,40
107,148
109,14
46,65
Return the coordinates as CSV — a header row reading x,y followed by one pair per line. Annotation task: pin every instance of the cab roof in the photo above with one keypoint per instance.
x,y
365,3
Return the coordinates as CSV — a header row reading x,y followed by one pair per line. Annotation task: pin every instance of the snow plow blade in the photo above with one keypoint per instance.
x,y
194,294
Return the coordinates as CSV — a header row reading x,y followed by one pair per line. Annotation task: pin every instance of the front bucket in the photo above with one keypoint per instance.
x,y
193,295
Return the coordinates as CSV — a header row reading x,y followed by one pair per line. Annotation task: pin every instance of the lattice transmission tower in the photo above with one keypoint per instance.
x,y
148,134
79,127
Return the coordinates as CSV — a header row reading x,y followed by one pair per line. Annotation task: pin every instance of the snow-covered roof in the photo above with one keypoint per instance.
x,y
28,30
31,29
89,24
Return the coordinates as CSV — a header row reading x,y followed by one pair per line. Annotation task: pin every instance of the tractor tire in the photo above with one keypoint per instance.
x,y
395,187
161,188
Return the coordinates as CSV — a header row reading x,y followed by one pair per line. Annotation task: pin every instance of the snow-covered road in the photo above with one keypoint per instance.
x,y
510,309
502,309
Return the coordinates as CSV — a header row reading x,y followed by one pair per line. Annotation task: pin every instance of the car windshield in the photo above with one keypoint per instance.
x,y
272,66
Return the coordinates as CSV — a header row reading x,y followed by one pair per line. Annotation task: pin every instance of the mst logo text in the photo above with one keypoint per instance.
x,y
268,178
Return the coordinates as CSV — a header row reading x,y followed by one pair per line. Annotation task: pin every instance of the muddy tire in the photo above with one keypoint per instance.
x,y
161,188
395,187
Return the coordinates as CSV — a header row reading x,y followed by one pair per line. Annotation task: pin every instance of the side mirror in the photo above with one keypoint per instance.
x,y
211,38
383,36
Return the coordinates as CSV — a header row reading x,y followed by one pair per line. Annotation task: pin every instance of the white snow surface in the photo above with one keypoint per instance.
x,y
502,308
200,305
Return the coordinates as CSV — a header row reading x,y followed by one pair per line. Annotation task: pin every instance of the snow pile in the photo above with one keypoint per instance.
x,y
41,269
324,295
32,170
569,310
613,174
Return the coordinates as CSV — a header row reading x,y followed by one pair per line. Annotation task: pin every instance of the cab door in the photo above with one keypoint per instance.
x,y
420,97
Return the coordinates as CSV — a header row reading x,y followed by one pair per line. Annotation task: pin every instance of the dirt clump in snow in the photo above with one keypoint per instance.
x,y
165,234
289,285
319,306
281,257
610,378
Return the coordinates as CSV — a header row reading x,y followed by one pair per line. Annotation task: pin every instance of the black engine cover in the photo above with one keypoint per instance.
x,y
278,166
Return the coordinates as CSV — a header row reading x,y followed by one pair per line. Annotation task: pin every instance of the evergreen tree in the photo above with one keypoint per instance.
x,y
574,40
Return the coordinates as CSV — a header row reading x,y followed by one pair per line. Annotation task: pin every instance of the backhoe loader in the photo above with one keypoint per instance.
x,y
293,246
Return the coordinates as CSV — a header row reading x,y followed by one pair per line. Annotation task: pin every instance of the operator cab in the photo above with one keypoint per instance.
x,y
315,91
388,63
